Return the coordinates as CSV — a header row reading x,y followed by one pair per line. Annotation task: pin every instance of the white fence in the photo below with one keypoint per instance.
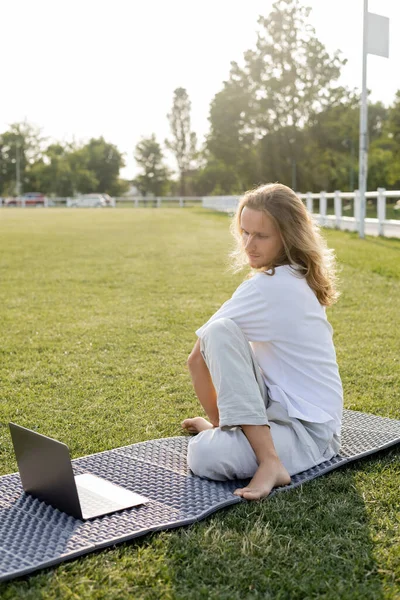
x,y
319,201
129,200
160,200
351,222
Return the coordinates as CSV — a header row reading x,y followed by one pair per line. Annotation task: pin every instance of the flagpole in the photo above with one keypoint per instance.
x,y
363,155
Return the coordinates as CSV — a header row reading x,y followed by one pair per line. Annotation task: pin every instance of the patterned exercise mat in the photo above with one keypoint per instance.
x,y
34,535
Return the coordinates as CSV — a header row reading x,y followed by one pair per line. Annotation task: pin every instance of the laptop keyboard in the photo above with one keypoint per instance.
x,y
94,503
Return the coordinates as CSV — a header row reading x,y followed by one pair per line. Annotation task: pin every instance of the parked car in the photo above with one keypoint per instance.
x,y
29,199
89,201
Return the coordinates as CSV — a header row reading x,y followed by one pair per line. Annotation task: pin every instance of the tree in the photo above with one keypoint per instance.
x,y
231,141
330,147
154,179
393,137
51,174
24,142
394,120
287,79
217,179
184,141
104,161
291,76
61,171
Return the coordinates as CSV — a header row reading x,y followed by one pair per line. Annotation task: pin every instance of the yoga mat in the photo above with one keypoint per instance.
x,y
33,535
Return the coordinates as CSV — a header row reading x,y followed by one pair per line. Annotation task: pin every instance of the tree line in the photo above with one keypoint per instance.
x,y
57,169
280,116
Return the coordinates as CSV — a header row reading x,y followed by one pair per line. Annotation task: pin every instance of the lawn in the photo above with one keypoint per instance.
x,y
98,310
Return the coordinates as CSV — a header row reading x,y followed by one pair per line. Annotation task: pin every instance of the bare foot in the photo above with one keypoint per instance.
x,y
196,425
269,474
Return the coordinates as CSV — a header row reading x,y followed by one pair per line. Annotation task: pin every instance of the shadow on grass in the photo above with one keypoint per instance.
x,y
313,542
388,242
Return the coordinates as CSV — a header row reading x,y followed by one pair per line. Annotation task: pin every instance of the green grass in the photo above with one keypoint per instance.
x,y
97,317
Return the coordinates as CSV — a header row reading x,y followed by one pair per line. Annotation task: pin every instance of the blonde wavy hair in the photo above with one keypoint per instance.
x,y
304,247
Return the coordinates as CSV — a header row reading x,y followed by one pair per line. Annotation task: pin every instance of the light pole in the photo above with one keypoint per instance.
x,y
363,155
375,41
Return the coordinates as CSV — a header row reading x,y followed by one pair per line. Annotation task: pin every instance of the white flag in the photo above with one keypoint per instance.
x,y
378,35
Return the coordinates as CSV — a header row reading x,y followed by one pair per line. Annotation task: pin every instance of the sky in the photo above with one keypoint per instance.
x,y
83,68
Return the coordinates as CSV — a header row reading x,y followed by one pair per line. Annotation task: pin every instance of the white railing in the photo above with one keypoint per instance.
x,y
137,201
159,200
338,220
373,226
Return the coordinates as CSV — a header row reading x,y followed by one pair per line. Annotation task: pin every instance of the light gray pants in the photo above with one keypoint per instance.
x,y
242,397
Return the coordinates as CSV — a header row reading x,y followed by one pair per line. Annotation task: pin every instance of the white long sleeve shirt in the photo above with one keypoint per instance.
x,y
291,337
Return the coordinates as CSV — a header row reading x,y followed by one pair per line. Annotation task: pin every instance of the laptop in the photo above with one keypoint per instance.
x,y
46,473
